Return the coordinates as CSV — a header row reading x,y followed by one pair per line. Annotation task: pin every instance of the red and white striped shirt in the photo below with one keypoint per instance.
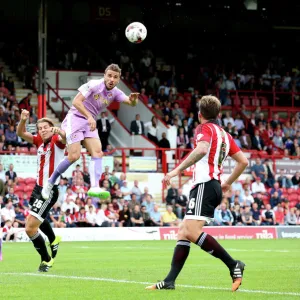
x,y
221,145
49,155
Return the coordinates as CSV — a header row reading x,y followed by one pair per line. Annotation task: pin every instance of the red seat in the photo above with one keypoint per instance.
x,y
19,194
30,180
290,191
293,197
255,102
246,100
292,204
28,188
236,101
33,150
19,187
21,180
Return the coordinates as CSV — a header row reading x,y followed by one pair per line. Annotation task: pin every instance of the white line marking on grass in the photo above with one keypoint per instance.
x,y
147,283
171,248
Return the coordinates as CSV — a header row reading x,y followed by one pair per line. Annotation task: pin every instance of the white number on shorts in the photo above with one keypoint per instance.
x,y
38,203
192,203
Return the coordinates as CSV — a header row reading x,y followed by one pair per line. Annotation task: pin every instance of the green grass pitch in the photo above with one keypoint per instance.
x,y
121,270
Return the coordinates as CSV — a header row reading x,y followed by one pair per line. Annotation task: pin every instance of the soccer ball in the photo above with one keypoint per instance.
x,y
136,32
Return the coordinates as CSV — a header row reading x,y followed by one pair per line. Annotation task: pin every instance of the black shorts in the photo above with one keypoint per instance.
x,y
204,198
39,207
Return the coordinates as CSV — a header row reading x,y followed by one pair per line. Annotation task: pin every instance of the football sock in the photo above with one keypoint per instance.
x,y
207,243
48,231
40,246
95,169
60,169
181,253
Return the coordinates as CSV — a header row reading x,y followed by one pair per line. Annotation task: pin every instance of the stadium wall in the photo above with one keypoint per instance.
x,y
168,233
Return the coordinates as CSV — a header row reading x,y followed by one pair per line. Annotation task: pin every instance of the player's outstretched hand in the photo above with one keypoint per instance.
x,y
168,177
92,123
25,114
225,187
133,98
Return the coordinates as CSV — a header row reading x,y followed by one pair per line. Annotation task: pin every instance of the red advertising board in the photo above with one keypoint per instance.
x,y
227,233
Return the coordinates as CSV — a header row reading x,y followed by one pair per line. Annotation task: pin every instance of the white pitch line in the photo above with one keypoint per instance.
x,y
167,249
147,283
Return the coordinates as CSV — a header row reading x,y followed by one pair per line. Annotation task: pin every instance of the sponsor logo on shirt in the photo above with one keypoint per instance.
x,y
109,95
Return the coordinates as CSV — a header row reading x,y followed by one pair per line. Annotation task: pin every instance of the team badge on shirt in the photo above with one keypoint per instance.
x,y
109,95
96,96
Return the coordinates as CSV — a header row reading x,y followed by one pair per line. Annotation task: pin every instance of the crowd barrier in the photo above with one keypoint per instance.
x,y
169,233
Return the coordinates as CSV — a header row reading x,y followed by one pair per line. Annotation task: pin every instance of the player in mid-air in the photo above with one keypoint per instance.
x,y
50,142
212,145
80,125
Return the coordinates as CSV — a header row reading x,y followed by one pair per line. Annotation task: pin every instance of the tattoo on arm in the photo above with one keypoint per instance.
x,y
198,153
194,157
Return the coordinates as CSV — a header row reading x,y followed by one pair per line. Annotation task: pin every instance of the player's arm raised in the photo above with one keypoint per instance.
x,y
198,153
21,129
78,104
132,99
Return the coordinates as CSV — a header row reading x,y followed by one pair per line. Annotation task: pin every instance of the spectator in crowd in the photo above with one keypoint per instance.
x,y
25,103
126,191
283,180
125,217
258,200
247,216
275,199
258,170
11,137
296,181
268,216
257,186
156,216
136,190
247,198
245,140
172,195
257,142
91,217
169,218
291,218
269,173
152,128
137,126
225,215
69,204
256,216
136,217
236,214
164,142
80,217
146,216
180,204
148,203
103,126
11,174
68,219
279,215
101,219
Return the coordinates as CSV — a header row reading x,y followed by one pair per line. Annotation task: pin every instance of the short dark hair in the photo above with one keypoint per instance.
x,y
209,107
113,67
